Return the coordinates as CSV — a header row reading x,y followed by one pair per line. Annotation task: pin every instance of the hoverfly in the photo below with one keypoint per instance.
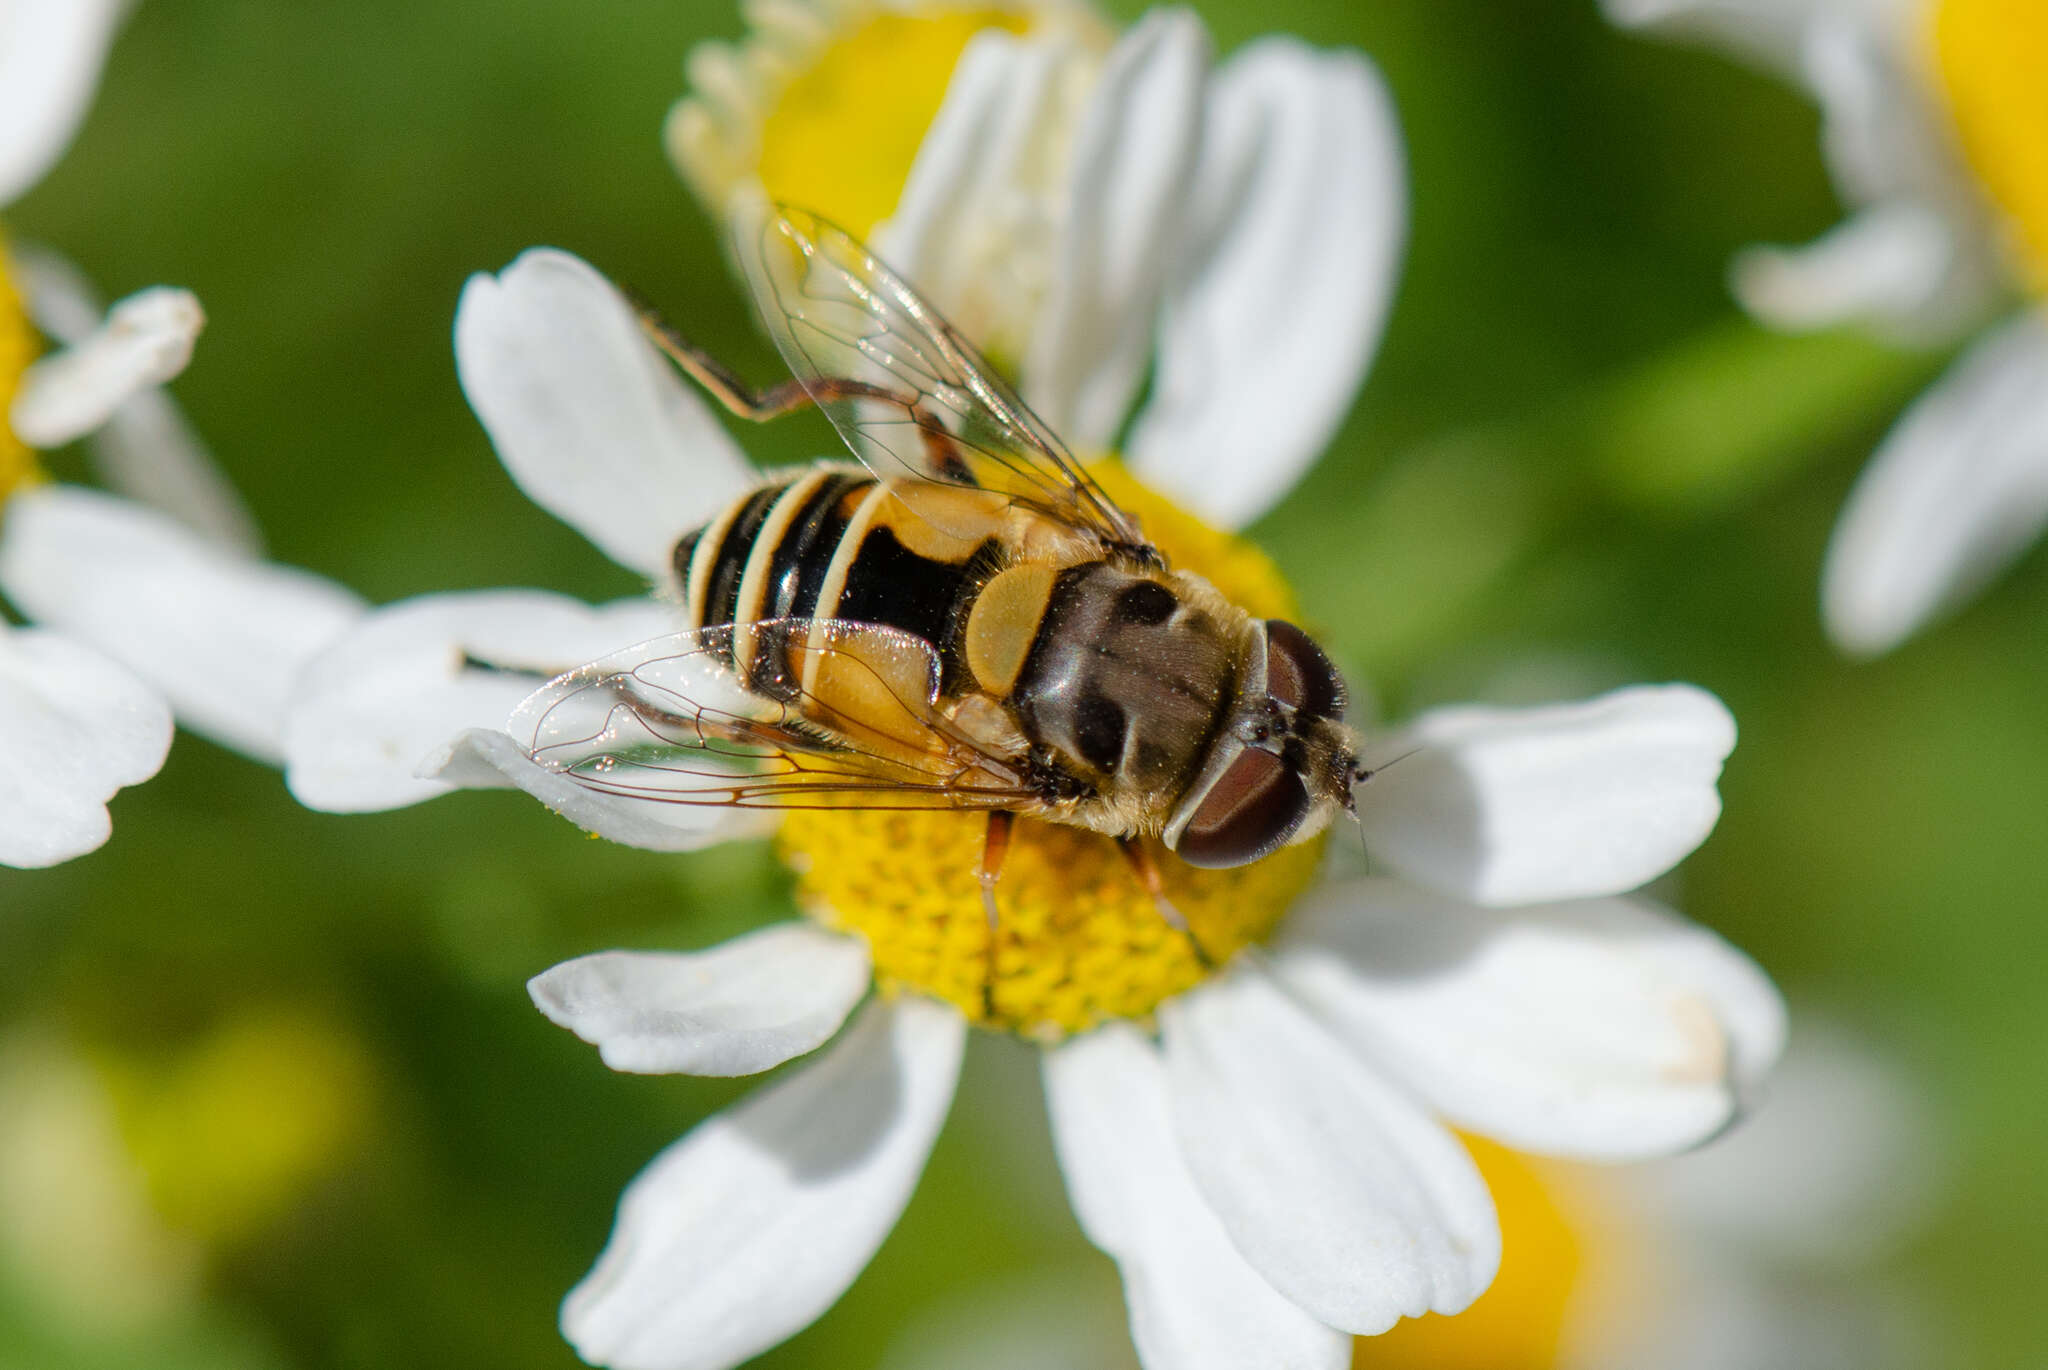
x,y
961,619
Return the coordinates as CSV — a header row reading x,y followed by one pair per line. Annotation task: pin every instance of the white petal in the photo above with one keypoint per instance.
x,y
147,449
592,421
736,1009
745,1231
976,223
1883,137
483,759
78,728
1195,1304
1132,163
1770,32
1300,213
1887,265
413,676
50,56
224,636
1523,806
1334,1185
1955,493
1608,1029
146,340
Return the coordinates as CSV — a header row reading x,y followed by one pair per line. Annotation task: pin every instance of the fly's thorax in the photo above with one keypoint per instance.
x,y
1126,679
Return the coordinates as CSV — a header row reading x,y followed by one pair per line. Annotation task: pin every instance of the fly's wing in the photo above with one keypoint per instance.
x,y
906,391
817,713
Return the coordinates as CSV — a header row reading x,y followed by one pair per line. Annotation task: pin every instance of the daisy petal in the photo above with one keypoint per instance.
x,y
146,340
591,421
414,676
1299,216
1524,806
1887,265
1334,1185
484,758
1955,493
1133,159
1609,1029
745,1231
147,449
1195,1304
736,1009
79,728
1768,32
50,57
1835,1168
969,228
222,635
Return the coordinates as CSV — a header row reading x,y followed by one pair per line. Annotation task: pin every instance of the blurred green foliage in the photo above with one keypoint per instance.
x,y
1571,452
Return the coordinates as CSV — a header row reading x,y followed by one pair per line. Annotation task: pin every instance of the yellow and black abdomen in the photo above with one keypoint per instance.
x,y
834,542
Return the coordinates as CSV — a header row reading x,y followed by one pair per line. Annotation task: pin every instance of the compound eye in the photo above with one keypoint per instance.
x,y
1254,806
1299,675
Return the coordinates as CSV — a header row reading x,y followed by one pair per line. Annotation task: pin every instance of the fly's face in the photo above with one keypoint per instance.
x,y
1281,764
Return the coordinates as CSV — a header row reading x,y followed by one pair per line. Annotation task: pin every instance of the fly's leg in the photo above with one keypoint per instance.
x,y
1139,856
995,846
786,397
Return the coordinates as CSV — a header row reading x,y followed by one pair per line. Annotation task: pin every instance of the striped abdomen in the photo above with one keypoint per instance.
x,y
832,541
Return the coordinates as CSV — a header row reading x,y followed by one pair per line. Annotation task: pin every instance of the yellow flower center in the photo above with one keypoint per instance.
x,y
17,350
842,138
1992,56
825,106
1078,941
1518,1323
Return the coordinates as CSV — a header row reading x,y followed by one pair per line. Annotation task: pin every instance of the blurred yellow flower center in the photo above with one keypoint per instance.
x,y
17,350
231,1130
826,104
1079,942
1993,60
842,138
1518,1323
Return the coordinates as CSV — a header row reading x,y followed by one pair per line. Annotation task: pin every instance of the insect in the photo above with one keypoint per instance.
x,y
961,619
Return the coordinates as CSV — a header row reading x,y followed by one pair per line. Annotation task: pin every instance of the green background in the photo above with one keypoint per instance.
x,y
1574,465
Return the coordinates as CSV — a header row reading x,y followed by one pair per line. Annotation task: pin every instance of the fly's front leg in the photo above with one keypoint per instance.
x,y
786,397
1139,856
995,847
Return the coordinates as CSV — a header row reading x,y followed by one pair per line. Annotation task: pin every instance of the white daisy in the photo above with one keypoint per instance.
x,y
1089,207
1933,131
134,613
1270,1172
1767,1249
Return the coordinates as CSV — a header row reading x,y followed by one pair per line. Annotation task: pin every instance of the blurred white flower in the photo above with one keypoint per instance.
x,y
1771,1248
1271,1173
1933,131
138,606
1090,209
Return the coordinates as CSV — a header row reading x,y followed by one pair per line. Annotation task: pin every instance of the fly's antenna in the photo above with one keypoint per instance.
x,y
1360,773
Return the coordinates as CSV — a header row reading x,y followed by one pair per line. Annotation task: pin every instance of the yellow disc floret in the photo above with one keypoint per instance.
x,y
1078,940
842,138
824,106
17,350
1992,55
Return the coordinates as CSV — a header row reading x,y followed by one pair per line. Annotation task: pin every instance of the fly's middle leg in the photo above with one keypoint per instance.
x,y
995,847
1139,856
